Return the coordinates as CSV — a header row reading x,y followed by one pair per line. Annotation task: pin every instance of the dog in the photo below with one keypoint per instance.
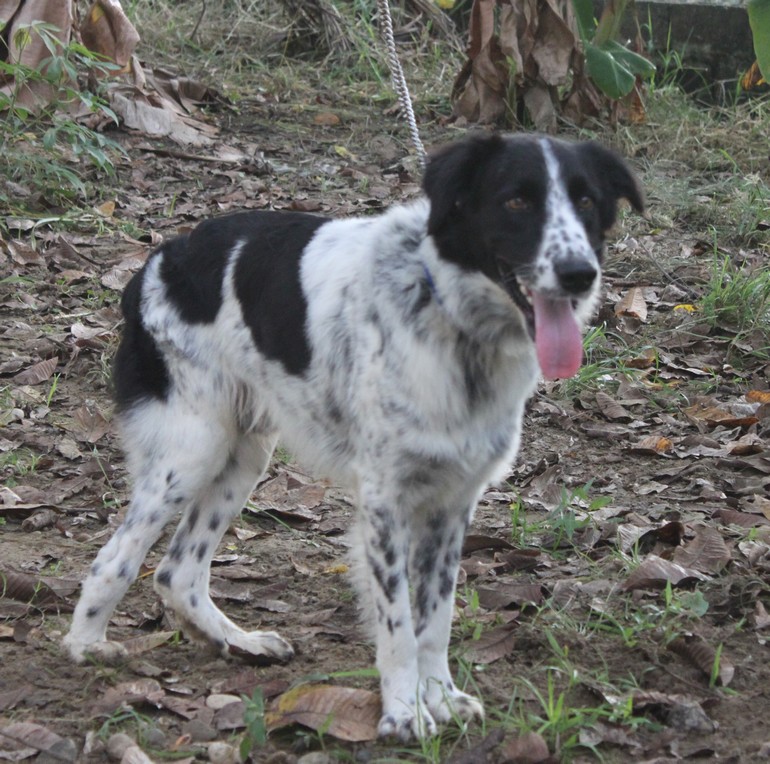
x,y
394,354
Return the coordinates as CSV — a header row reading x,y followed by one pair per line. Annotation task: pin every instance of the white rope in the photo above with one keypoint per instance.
x,y
398,78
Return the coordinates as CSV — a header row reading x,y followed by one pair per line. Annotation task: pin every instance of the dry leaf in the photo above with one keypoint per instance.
x,y
505,594
611,409
91,424
702,655
644,360
714,415
680,711
21,740
37,373
326,119
653,445
34,590
655,573
744,519
343,712
106,209
139,645
474,543
529,748
632,304
707,552
492,645
126,693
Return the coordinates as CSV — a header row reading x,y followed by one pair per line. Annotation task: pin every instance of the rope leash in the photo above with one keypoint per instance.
x,y
399,80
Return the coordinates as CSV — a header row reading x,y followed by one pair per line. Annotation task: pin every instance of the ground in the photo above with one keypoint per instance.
x,y
612,603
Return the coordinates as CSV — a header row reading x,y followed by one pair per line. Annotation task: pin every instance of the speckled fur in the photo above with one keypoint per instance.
x,y
407,383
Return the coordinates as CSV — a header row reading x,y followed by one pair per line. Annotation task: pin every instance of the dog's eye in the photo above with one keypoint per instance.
x,y
518,203
585,203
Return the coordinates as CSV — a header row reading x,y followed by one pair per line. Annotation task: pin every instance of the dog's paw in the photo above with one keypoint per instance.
x,y
447,703
407,723
100,652
259,647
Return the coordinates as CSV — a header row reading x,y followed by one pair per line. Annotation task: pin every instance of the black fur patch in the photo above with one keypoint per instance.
x,y
139,370
268,282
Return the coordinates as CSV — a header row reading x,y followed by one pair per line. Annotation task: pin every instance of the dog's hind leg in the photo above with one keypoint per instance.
x,y
436,545
173,454
182,578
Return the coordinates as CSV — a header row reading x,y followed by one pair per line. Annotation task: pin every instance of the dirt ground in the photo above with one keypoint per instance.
x,y
623,568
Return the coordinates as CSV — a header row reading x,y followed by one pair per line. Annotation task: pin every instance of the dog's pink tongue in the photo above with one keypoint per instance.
x,y
557,337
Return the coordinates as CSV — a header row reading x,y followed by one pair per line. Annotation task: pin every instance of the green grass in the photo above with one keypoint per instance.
x,y
736,301
605,356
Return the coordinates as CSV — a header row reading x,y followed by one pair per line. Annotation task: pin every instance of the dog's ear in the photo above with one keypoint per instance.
x,y
449,176
615,179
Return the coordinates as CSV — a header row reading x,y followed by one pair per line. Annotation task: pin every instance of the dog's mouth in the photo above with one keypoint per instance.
x,y
552,326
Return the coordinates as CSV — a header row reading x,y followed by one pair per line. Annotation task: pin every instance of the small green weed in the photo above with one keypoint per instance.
x,y
605,354
255,734
43,149
563,522
18,463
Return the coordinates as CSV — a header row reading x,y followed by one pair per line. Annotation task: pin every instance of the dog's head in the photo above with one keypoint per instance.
x,y
531,213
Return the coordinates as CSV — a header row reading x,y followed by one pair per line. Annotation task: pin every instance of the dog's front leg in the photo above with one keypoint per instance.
x,y
436,545
383,547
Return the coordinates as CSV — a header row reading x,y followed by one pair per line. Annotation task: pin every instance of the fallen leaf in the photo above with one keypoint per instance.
x,y
91,423
645,359
474,543
34,590
653,445
760,617
21,740
37,373
143,644
505,594
655,572
611,409
343,712
326,119
137,691
632,304
106,209
679,711
743,519
706,552
492,645
710,661
715,415
529,748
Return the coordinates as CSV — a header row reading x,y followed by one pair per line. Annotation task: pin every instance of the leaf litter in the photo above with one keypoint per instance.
x,y
639,502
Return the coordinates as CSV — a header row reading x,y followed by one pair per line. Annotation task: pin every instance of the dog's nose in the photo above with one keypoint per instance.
x,y
575,276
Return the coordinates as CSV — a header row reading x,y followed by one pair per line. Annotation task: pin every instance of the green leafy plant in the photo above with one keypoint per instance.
x,y
44,148
255,735
563,521
613,67
759,19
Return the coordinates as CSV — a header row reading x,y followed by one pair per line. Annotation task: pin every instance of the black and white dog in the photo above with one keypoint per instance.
x,y
393,353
